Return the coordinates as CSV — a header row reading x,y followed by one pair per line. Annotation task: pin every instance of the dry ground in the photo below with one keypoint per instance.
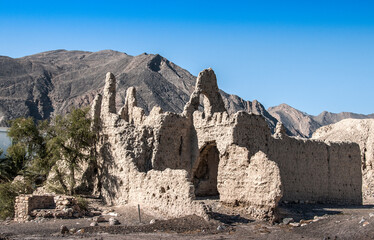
x,y
334,222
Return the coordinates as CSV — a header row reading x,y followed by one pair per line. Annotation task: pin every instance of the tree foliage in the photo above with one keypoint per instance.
x,y
8,193
70,141
37,147
28,147
6,169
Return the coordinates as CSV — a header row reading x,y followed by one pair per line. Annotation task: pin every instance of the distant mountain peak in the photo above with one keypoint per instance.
x,y
304,125
50,82
47,83
155,62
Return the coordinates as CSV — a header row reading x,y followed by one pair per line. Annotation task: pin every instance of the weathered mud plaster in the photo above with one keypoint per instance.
x,y
360,131
165,160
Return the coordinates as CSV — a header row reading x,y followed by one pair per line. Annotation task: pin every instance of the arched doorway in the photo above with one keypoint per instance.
x,y
206,171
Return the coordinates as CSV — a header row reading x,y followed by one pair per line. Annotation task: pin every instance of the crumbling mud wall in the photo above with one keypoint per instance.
x,y
360,131
311,171
141,158
250,182
166,160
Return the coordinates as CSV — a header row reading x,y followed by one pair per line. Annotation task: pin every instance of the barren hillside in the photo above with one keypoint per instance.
x,y
304,125
52,82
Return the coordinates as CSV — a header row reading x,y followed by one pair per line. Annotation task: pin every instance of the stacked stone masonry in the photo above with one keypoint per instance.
x,y
28,206
166,160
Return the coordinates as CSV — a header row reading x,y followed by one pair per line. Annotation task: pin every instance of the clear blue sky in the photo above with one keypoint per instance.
x,y
312,55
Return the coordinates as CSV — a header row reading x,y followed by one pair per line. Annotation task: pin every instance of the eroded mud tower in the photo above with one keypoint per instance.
x,y
166,160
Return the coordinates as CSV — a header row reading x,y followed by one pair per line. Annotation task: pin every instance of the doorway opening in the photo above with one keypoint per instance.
x,y
206,172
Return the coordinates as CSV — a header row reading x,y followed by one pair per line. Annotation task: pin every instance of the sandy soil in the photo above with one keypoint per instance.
x,y
318,222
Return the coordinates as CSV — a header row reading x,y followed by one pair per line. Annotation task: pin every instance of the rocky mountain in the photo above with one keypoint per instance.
x,y
360,131
297,122
304,125
52,82
326,118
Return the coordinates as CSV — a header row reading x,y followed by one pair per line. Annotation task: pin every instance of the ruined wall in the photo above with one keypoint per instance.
x,y
310,170
24,204
173,143
166,192
360,131
216,128
250,182
164,160
28,206
132,147
316,172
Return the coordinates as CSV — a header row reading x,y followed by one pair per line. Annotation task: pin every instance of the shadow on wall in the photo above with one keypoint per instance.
x,y
205,171
105,180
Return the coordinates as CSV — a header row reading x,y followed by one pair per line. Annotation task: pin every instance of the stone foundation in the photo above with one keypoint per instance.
x,y
30,206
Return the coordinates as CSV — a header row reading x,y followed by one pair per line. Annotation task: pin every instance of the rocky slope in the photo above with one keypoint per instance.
x,y
326,118
52,82
360,131
297,122
304,125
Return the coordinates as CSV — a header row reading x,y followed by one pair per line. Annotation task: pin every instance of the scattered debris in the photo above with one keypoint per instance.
x,y
294,224
99,219
113,221
64,229
114,214
220,228
94,224
287,220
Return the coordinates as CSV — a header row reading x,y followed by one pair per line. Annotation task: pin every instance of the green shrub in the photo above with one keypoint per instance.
x,y
8,193
82,203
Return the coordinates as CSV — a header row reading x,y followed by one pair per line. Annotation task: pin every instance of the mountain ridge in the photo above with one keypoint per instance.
x,y
303,124
51,82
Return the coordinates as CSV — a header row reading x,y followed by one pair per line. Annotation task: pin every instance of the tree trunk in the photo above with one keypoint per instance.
x,y
61,180
72,179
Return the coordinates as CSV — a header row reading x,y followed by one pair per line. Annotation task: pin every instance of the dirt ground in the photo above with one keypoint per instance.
x,y
317,222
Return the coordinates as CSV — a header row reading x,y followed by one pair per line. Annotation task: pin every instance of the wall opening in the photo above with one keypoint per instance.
x,y
204,105
205,174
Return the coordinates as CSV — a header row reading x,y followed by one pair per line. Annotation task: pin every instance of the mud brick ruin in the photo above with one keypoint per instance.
x,y
166,161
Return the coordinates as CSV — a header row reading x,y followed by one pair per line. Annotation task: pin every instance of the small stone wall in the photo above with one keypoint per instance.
x,y
24,204
30,206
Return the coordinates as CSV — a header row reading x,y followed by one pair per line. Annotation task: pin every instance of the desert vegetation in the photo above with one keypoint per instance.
x,y
39,149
